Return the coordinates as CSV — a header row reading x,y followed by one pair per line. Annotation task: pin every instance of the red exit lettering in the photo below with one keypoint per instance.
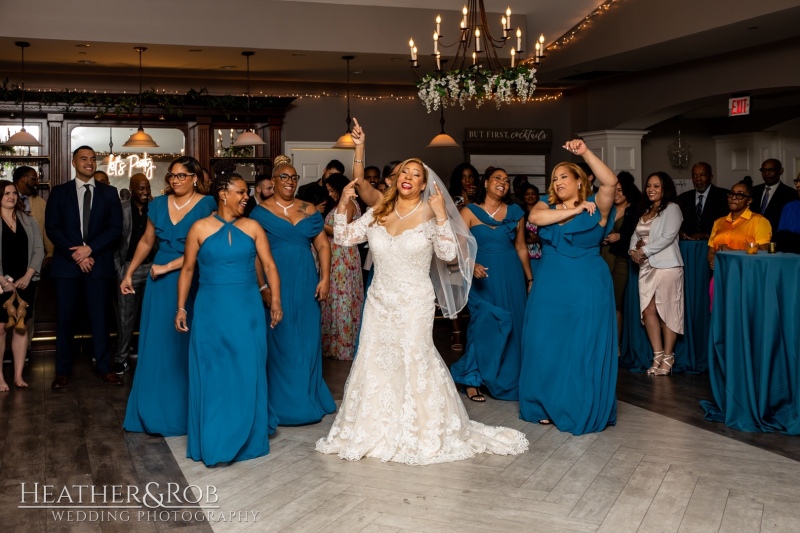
x,y
739,106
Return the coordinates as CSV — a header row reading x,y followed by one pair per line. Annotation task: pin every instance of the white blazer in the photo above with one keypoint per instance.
x,y
662,248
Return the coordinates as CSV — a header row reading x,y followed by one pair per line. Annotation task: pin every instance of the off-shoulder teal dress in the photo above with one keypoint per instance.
x,y
569,340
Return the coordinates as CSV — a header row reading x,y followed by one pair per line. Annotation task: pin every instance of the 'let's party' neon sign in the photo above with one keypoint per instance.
x,y
132,164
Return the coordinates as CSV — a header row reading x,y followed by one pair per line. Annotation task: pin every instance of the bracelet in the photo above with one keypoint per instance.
x,y
182,309
263,287
358,161
529,280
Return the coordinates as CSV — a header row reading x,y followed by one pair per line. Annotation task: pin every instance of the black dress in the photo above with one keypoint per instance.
x,y
15,264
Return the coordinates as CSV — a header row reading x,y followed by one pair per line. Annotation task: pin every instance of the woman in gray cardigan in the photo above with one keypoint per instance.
x,y
654,246
21,256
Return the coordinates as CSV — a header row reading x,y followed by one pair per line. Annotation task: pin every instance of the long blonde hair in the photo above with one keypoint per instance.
x,y
584,188
386,205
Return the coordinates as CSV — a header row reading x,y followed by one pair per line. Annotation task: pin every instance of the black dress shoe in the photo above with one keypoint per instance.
x,y
111,378
121,368
60,382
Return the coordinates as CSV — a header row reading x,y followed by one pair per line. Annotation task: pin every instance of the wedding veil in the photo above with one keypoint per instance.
x,y
452,279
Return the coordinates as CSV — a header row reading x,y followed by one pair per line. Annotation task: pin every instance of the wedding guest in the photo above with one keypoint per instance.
x,y
26,180
569,355
654,247
134,225
770,197
101,177
741,227
83,219
230,418
263,188
497,298
305,192
519,187
21,257
530,195
627,198
341,311
463,184
372,175
158,402
788,235
297,392
702,205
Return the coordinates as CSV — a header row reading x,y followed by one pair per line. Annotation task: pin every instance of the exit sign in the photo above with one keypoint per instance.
x,y
739,106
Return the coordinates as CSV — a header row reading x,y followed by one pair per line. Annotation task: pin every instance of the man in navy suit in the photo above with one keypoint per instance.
x,y
84,220
770,197
703,205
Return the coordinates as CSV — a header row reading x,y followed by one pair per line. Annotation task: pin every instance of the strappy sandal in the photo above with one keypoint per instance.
x,y
669,360
657,358
477,397
455,340
545,422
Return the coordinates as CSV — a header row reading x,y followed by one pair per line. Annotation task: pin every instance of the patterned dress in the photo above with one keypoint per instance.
x,y
341,312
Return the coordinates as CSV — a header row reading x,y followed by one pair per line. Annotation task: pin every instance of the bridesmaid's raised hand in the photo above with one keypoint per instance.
x,y
358,133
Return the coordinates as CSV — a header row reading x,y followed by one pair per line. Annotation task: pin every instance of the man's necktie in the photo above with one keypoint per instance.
x,y
87,210
699,208
26,204
765,200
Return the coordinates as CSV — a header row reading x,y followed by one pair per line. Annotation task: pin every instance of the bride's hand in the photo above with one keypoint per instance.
x,y
576,146
357,134
436,202
348,194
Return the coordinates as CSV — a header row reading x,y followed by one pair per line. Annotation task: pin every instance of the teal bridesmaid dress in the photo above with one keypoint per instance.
x,y
158,402
229,416
297,392
569,343
496,309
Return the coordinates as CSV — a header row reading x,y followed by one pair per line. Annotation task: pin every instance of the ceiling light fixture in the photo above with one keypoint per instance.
x,y
247,137
478,72
22,137
346,140
140,139
442,140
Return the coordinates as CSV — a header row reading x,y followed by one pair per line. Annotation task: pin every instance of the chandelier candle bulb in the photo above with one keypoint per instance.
x,y
513,56
503,23
508,19
438,62
536,55
435,43
474,59
541,45
477,40
464,11
438,24
411,47
519,39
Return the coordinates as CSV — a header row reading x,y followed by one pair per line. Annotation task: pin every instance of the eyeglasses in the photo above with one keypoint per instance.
x,y
765,170
738,195
796,180
179,177
286,177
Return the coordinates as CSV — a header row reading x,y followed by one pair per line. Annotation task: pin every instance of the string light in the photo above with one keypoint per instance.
x,y
572,33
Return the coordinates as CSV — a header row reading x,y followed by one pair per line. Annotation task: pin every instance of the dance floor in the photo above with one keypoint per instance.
x,y
661,468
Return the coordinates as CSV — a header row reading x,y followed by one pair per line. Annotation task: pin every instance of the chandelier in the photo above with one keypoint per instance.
x,y
478,73
679,153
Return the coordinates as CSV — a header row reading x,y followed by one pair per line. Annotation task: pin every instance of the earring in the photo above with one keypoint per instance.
x,y
579,186
194,183
224,201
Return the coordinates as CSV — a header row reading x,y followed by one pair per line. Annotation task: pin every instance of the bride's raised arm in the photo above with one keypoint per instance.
x,y
345,234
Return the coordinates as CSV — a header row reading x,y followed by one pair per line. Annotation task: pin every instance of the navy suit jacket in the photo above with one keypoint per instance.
x,y
781,196
715,207
63,225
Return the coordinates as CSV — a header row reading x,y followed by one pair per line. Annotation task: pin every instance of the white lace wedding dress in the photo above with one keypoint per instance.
x,y
400,403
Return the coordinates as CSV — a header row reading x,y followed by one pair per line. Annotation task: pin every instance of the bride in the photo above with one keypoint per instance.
x,y
400,403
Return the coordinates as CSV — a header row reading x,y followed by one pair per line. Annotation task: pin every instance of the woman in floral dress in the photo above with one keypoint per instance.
x,y
341,312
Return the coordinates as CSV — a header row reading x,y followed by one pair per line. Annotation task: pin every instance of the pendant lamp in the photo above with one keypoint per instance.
x,y
22,137
346,140
140,139
442,140
248,138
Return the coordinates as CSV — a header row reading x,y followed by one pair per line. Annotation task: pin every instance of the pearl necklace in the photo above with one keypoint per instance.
x,y
179,207
285,208
495,211
401,217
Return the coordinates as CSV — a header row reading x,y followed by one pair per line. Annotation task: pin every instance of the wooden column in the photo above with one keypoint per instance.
x,y
203,146
275,141
60,167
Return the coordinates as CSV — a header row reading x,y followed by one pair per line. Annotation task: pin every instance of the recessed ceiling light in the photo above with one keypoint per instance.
x,y
86,62
195,50
228,67
83,45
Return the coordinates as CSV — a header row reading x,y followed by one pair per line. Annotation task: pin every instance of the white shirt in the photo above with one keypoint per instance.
x,y
80,189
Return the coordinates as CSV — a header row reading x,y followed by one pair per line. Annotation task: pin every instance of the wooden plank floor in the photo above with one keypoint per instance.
x,y
661,468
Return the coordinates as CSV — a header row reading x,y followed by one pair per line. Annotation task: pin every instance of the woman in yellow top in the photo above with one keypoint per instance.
x,y
741,226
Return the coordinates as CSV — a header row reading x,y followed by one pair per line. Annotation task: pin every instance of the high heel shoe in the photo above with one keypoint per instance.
x,y
455,342
657,358
668,360
22,309
11,310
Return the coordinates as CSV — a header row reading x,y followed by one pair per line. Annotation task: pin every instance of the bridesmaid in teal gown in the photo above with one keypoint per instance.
x,y
499,291
229,415
297,392
569,345
158,401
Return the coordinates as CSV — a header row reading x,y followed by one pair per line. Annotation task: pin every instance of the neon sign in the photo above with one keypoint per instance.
x,y
117,166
